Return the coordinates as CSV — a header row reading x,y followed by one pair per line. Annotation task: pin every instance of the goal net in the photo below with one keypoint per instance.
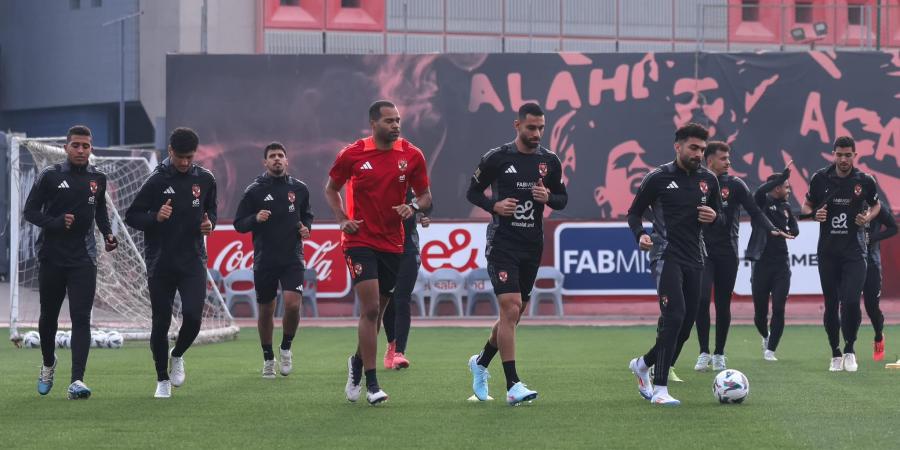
x,y
122,302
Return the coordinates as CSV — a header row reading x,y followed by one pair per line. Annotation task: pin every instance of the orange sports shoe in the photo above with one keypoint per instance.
x,y
400,361
389,355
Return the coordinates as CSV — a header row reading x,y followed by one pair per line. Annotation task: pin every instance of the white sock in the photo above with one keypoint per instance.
x,y
660,390
641,365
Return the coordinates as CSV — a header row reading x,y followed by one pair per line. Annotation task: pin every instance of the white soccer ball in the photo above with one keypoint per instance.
x,y
62,339
98,338
32,339
114,339
731,386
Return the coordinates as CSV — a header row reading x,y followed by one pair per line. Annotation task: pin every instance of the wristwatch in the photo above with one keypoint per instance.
x,y
414,206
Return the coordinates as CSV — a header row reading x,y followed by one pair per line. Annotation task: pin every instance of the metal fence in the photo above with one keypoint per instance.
x,y
510,26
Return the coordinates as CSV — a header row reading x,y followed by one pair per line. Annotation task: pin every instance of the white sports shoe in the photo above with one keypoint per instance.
x,y
837,364
352,390
176,370
645,387
163,389
375,398
769,355
718,362
268,371
850,362
702,362
287,362
664,400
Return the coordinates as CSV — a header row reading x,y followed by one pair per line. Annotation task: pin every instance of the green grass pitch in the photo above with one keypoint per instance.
x,y
588,398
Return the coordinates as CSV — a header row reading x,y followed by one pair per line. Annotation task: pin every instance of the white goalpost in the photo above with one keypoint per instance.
x,y
122,302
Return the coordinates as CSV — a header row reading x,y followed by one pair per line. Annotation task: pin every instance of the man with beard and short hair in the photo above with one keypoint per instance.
x,y
843,200
682,196
524,178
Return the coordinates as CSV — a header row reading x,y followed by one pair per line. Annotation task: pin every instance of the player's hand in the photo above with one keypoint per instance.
x,y
111,243
540,193
263,215
206,225
821,214
706,214
425,221
861,219
350,226
646,243
69,219
164,212
304,232
782,234
405,211
506,207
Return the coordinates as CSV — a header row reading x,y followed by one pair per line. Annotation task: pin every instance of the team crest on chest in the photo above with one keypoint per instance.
x,y
725,193
401,164
93,185
703,187
195,189
857,190
291,199
542,169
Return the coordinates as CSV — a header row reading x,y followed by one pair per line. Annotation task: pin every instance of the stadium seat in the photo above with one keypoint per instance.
x,y
553,293
214,281
247,295
420,291
479,287
310,286
447,285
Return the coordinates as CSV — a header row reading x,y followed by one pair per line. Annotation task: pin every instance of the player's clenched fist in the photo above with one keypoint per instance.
x,y
263,215
165,211
506,207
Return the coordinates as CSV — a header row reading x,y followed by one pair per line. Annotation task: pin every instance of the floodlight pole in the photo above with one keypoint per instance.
x,y
121,22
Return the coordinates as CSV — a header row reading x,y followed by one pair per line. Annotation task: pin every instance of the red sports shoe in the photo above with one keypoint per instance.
x,y
389,355
400,361
878,353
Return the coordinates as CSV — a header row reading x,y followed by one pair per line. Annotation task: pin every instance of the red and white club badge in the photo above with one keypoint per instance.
x,y
503,276
401,164
725,192
93,185
664,300
703,187
291,196
195,189
358,269
542,169
857,190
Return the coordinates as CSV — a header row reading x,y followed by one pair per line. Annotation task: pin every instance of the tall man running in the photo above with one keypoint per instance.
x,y
65,202
771,270
175,208
682,196
524,177
380,168
275,208
721,264
872,287
843,200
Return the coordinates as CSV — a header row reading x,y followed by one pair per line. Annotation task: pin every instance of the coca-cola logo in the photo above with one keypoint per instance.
x,y
319,258
233,257
439,255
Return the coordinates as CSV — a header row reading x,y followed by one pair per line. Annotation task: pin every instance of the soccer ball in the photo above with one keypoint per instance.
x,y
114,339
731,386
98,338
63,339
32,339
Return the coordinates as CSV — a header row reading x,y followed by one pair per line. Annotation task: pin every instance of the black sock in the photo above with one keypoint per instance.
x,y
286,341
879,336
848,347
487,354
836,353
509,369
357,369
268,354
372,381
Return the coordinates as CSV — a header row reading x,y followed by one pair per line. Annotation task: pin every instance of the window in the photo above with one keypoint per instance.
x,y
854,14
750,10
803,12
74,4
290,2
349,3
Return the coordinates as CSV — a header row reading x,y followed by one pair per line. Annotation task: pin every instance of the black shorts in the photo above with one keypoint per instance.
x,y
266,281
513,271
368,264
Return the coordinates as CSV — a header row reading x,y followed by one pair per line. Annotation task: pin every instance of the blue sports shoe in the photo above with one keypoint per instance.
x,y
480,377
78,391
45,379
518,393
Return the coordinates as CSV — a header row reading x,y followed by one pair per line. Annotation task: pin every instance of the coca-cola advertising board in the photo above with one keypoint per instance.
x,y
229,250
